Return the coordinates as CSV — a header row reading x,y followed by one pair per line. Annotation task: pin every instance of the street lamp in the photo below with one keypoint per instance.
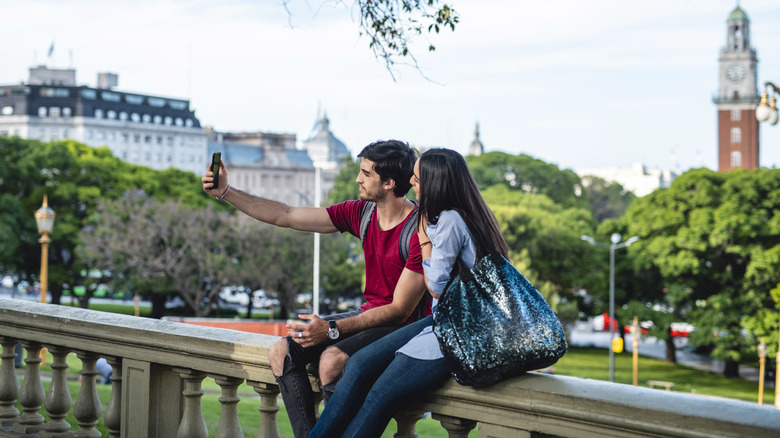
x,y
615,239
44,217
767,112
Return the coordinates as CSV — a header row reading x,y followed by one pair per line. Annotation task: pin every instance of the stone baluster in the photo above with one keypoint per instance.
x,y
268,408
455,427
9,384
88,408
406,421
58,400
31,395
113,415
192,424
229,426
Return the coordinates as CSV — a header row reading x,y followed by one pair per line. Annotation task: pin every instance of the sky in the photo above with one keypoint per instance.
x,y
578,83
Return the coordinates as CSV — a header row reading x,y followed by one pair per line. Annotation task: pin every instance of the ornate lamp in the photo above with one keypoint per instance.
x,y
44,217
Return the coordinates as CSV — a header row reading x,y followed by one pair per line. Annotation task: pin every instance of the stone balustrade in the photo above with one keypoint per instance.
x,y
159,367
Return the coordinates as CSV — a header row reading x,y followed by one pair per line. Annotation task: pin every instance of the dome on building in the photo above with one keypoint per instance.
x,y
476,147
324,148
738,15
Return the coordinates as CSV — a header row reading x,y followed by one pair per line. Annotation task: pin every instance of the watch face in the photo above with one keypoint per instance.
x,y
735,73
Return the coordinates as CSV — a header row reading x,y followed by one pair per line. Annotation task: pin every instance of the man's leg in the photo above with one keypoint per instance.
x,y
288,364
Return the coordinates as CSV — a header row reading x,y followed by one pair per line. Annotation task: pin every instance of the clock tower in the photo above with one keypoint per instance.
x,y
737,97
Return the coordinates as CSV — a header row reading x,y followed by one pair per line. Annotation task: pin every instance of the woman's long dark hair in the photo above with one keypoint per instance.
x,y
447,184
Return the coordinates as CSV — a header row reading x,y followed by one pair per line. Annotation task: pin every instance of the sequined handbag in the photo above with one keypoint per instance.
x,y
492,324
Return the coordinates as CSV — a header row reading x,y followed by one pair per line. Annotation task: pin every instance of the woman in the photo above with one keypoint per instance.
x,y
454,221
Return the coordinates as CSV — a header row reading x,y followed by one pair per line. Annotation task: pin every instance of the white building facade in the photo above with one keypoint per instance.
x,y
152,131
637,178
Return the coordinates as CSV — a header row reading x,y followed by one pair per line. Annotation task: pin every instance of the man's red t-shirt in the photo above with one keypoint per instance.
x,y
383,262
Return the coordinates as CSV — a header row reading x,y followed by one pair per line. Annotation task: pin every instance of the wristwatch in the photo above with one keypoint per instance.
x,y
333,331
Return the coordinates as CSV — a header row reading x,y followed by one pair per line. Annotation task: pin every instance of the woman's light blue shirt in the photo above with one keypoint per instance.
x,y
450,237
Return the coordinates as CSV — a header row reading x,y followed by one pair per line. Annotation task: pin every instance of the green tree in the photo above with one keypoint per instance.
x,y
606,200
75,177
526,174
716,236
550,233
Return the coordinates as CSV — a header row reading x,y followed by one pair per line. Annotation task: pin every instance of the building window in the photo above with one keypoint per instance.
x,y
42,111
188,123
54,111
122,115
98,113
147,139
156,102
88,94
136,138
135,100
168,121
179,121
110,96
736,135
135,117
3,133
125,137
736,115
736,159
157,120
66,112
111,114
8,110
146,118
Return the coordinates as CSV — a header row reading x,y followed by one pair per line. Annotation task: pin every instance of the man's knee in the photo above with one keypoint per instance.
x,y
276,356
332,363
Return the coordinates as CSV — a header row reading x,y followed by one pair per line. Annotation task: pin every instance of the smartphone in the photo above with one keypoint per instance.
x,y
215,159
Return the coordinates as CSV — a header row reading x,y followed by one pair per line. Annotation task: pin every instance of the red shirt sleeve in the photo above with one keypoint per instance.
x,y
346,216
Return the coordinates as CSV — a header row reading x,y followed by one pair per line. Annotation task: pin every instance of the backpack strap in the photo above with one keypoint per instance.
x,y
406,233
365,219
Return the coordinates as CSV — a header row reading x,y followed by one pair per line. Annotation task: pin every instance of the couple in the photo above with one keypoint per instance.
x,y
398,360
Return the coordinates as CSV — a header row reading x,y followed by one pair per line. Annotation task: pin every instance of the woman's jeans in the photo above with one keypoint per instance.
x,y
376,383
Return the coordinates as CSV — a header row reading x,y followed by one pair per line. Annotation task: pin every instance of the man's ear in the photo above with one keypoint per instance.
x,y
389,184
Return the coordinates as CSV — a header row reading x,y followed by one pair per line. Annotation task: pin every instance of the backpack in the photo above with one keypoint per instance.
x,y
403,245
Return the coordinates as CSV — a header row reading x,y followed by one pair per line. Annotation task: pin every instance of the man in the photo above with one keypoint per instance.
x,y
393,288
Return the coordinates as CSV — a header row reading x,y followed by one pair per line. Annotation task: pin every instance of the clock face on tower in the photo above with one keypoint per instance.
x,y
735,73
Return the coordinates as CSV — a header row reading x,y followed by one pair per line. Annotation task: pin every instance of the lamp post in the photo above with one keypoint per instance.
x,y
615,239
44,217
761,362
767,111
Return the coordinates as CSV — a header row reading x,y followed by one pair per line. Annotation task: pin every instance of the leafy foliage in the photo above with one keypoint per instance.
x,y
391,25
717,236
526,174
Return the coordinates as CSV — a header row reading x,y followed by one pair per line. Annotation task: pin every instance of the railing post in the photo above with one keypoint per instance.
x,y
268,408
31,395
455,427
113,415
88,408
58,400
192,424
407,421
229,426
9,383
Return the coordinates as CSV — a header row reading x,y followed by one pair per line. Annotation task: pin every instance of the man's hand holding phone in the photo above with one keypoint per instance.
x,y
215,181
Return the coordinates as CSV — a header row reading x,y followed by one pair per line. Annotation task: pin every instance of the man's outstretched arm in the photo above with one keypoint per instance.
x,y
265,210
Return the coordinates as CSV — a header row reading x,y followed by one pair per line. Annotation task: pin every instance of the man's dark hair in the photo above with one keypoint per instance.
x,y
394,160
